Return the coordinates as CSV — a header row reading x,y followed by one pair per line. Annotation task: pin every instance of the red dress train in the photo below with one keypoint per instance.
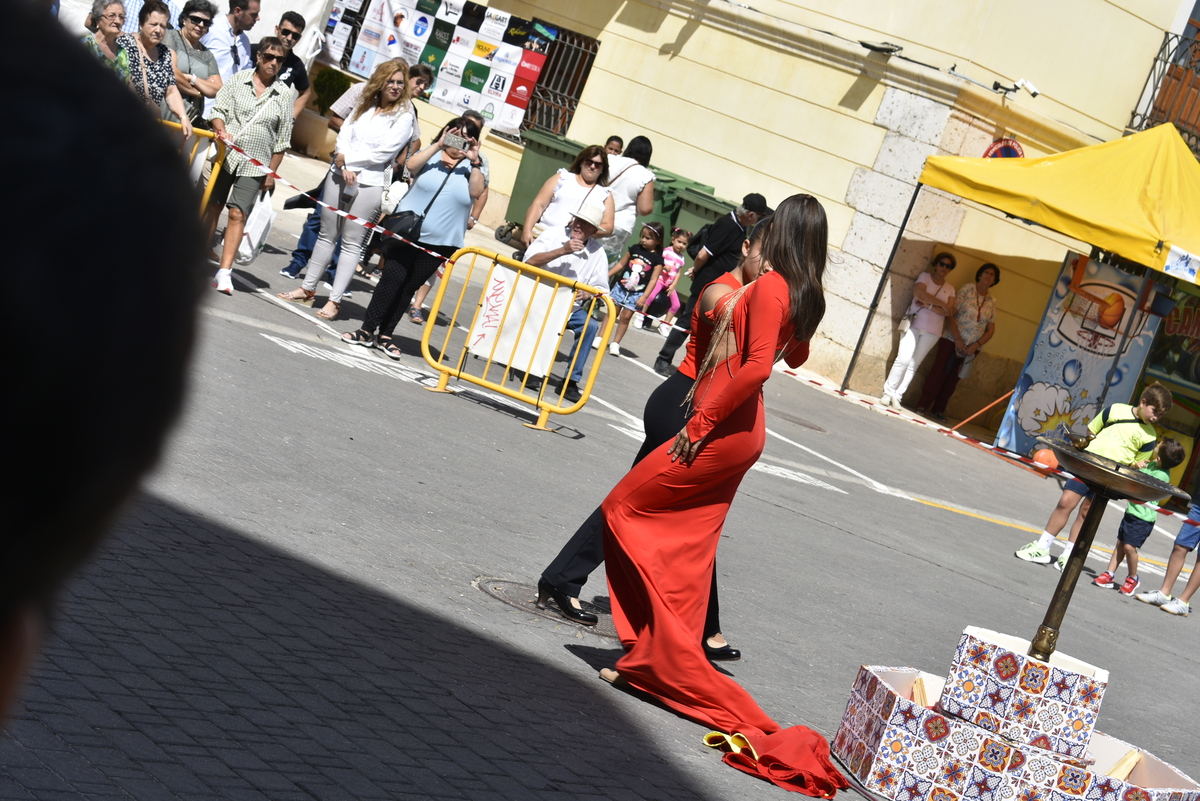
x,y
662,523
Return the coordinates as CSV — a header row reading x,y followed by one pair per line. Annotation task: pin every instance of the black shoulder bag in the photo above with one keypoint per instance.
x,y
407,224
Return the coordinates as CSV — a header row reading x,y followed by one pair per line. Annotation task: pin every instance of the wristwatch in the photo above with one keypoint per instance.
x,y
476,164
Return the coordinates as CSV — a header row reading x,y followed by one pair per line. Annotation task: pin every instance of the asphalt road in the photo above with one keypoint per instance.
x,y
293,609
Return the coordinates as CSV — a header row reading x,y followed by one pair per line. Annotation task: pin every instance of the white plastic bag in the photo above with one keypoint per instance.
x,y
258,228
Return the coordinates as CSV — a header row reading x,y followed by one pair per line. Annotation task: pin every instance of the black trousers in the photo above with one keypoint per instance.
x,y
404,270
676,338
665,415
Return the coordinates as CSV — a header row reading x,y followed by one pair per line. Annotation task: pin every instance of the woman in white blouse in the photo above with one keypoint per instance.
x,y
632,185
367,145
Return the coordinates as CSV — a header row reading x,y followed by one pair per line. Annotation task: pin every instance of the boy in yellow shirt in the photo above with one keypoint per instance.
x,y
1122,433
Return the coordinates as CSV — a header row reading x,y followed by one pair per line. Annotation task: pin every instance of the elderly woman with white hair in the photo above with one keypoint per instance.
x,y
104,22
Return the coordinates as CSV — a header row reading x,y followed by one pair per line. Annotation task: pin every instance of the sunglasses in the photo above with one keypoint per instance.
x,y
286,34
268,57
199,22
597,164
949,264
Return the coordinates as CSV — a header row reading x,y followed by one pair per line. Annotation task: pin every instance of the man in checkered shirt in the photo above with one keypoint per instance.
x,y
254,112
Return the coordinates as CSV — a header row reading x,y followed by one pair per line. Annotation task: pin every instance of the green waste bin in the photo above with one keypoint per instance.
x,y
697,209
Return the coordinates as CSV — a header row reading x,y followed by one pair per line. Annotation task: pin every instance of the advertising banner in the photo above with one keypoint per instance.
x,y
483,58
1091,320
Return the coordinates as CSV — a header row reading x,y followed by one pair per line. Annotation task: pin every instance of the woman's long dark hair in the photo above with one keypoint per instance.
x,y
796,247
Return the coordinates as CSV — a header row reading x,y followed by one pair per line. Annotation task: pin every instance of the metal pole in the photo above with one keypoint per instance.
x,y
1046,639
879,289
1005,396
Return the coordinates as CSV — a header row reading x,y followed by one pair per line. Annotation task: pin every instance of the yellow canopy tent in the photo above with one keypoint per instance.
x,y
1137,196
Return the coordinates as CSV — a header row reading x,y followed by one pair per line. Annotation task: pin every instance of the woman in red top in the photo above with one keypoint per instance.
x,y
663,520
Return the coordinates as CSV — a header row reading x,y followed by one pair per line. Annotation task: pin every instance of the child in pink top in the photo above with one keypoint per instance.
x,y
672,265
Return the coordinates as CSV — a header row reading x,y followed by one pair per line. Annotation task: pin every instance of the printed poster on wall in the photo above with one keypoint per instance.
x,y
482,58
1083,330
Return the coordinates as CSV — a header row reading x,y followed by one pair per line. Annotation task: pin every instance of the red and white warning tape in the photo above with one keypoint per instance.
x,y
957,435
371,226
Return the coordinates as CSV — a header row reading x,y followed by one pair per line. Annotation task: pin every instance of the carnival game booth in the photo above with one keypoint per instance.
x,y
1134,201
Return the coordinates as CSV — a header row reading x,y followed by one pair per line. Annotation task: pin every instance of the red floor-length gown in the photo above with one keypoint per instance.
x,y
661,527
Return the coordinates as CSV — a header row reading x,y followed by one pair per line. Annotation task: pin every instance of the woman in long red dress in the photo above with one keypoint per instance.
x,y
664,519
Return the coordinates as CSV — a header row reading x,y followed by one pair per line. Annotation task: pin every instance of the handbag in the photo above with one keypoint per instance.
x,y
407,224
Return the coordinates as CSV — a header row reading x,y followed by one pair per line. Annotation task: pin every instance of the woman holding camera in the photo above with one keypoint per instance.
x,y
368,143
447,180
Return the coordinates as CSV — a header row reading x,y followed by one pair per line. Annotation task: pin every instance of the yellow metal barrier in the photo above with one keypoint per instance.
x,y
517,331
200,141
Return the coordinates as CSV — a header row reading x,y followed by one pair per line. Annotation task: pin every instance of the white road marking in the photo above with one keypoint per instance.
x,y
875,485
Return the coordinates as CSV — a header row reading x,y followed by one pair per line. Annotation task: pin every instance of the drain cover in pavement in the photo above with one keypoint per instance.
x,y
524,597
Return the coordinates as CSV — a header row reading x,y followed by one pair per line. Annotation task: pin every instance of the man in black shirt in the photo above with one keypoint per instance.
x,y
720,253
292,73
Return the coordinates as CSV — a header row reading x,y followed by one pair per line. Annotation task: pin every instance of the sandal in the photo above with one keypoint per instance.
x,y
415,315
359,337
326,314
389,347
304,298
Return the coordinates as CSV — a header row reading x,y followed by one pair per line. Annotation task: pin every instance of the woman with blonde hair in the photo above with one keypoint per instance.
x,y
367,145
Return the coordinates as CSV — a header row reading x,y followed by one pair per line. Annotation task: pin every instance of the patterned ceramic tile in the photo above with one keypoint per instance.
x,y
1006,666
993,755
966,685
1042,771
1079,725
953,773
936,728
1035,677
925,761
1016,764
896,745
983,785
1089,693
986,720
1051,716
1023,707
976,652
996,697
913,788
856,757
1061,686
840,740
908,716
953,706
1072,781
884,779
1031,792
1106,788
942,794
965,742
864,769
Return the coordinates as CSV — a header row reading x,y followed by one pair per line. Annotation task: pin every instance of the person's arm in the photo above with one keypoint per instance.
x,y
174,101
546,256
207,87
988,333
698,262
302,101
477,208
645,199
183,81
709,298
606,222
620,265
282,142
365,155
537,208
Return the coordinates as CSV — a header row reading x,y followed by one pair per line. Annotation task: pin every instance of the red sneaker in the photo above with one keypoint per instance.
x,y
1129,586
1104,580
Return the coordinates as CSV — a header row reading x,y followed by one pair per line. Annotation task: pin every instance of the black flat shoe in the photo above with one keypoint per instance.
x,y
726,653
546,590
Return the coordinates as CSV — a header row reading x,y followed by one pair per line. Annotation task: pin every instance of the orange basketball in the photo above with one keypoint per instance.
x,y
1046,456
1114,310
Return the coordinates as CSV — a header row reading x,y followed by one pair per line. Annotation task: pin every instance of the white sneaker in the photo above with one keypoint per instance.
x,y
614,349
664,329
1061,564
1033,553
1176,607
223,282
596,342
638,319
1154,597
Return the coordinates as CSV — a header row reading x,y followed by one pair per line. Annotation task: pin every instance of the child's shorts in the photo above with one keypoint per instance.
x,y
1077,486
626,298
1189,535
1134,530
